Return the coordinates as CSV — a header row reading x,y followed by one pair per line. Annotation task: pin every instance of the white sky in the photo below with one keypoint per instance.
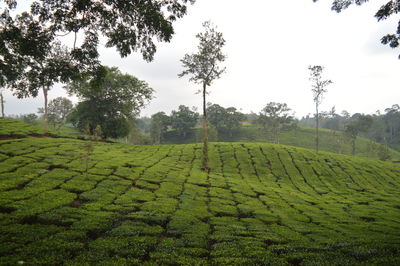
x,y
269,46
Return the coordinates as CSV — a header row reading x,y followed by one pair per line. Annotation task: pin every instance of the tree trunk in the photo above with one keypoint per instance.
x,y
2,104
317,129
353,144
205,130
46,120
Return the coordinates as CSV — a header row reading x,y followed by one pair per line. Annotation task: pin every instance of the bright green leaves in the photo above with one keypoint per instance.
x,y
260,204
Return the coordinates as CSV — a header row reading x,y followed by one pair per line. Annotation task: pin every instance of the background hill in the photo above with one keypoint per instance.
x,y
330,140
66,201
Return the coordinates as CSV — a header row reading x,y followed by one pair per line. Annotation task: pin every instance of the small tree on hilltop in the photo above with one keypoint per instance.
x,y
318,89
183,120
362,123
275,117
158,126
204,69
58,109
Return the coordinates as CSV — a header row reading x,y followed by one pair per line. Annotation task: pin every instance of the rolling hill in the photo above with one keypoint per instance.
x,y
304,137
73,202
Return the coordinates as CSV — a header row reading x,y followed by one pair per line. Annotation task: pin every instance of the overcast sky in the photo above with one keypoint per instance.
x,y
269,46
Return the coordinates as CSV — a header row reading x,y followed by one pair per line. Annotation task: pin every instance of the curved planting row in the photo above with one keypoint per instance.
x,y
72,202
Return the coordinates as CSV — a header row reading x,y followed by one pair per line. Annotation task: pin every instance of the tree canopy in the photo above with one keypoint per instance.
x,y
129,26
109,99
58,110
183,120
385,11
360,123
158,126
224,119
275,117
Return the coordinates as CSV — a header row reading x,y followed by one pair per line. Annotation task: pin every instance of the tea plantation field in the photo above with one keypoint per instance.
x,y
73,202
12,128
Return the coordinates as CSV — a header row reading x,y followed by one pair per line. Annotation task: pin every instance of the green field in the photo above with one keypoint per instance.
x,y
12,128
62,203
304,137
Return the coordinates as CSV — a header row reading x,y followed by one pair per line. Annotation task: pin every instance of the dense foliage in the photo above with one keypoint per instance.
x,y
274,118
159,126
183,120
58,110
110,99
151,205
385,127
26,38
225,120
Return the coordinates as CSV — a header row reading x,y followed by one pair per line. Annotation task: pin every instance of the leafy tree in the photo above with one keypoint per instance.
x,y
58,109
183,120
360,123
275,117
109,99
216,114
203,67
159,125
233,119
44,70
30,119
224,119
384,153
384,12
128,26
392,120
318,89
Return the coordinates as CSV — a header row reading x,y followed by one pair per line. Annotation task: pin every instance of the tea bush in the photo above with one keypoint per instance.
x,y
260,204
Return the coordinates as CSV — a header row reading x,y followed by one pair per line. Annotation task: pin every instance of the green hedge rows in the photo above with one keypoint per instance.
x,y
151,205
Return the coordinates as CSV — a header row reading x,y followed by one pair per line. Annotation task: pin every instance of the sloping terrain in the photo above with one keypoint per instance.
x,y
304,137
72,202
12,128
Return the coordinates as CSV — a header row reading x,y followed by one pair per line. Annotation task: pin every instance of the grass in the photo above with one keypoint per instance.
x,y
261,204
304,137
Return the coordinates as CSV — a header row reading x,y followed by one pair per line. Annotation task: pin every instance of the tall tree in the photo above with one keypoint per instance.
x,y
385,11
126,25
110,99
318,89
203,68
275,117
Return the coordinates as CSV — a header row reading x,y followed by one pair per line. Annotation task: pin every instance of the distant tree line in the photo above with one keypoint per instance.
x,y
382,127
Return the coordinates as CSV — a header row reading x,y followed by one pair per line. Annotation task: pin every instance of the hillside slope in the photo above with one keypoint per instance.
x,y
62,202
304,137
13,128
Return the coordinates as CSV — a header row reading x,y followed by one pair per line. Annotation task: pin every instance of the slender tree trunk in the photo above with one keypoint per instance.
x,y
205,130
46,120
353,144
317,129
2,104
